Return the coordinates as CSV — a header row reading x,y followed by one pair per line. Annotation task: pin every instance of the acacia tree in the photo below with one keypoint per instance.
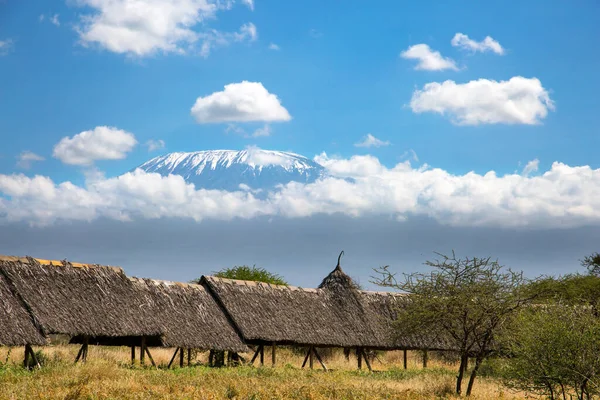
x,y
246,273
466,301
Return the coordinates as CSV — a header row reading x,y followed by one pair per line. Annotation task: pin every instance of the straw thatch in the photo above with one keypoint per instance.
x,y
186,315
18,327
76,299
336,314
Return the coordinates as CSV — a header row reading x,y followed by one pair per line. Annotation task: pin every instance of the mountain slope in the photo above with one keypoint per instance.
x,y
228,169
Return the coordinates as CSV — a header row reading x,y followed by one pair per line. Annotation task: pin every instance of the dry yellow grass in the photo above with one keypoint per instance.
x,y
108,375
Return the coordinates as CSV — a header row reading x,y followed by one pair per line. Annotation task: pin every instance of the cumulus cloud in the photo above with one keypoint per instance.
x,y
516,101
371,141
144,27
6,46
27,158
428,59
531,167
154,145
240,102
100,143
488,44
249,4
563,196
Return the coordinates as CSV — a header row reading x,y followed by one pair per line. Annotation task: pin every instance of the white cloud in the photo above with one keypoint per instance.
x,y
263,131
531,167
54,19
516,101
488,44
273,46
27,158
6,46
563,196
249,4
429,60
371,141
144,27
240,102
154,145
100,143
410,155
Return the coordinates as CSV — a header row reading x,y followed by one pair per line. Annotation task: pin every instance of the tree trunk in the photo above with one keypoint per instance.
x,y
461,373
478,361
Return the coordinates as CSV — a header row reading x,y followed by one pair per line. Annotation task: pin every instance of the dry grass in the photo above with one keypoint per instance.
x,y
108,375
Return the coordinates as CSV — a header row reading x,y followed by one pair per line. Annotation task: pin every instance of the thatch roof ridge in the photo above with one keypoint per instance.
x,y
256,284
56,263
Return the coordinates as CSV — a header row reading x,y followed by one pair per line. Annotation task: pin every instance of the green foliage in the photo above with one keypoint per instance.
x,y
592,263
467,301
253,273
569,289
554,352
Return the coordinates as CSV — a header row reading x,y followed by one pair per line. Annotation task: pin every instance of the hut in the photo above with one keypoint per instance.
x,y
187,316
336,314
19,328
92,304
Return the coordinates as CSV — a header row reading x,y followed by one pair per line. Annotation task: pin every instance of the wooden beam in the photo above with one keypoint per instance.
x,y
132,354
425,358
79,354
359,355
181,358
189,357
319,359
26,357
150,356
262,355
142,352
255,355
29,353
273,349
86,343
366,359
306,358
405,359
173,358
310,358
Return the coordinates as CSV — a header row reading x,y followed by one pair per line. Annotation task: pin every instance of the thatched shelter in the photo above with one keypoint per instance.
x,y
186,315
93,302
18,325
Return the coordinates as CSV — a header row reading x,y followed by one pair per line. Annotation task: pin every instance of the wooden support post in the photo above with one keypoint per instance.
x,y
310,358
26,357
189,361
79,354
150,356
319,359
255,355
29,353
132,354
86,343
142,350
306,358
173,358
425,358
366,360
181,358
359,355
273,349
262,355
405,359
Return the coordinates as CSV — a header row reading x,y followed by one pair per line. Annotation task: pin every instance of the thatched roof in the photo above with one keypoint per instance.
x,y
17,324
76,299
186,315
336,314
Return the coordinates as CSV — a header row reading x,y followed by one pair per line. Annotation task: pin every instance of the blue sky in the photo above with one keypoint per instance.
x,y
337,70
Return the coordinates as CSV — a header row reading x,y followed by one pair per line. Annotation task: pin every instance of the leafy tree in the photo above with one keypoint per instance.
x,y
574,289
246,273
554,352
592,263
467,301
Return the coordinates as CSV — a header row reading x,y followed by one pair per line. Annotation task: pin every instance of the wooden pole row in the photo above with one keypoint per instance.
x,y
312,351
361,354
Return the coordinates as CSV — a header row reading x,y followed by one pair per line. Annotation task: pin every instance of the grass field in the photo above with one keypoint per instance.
x,y
109,375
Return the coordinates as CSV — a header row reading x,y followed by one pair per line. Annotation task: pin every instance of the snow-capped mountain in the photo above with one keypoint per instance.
x,y
232,169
